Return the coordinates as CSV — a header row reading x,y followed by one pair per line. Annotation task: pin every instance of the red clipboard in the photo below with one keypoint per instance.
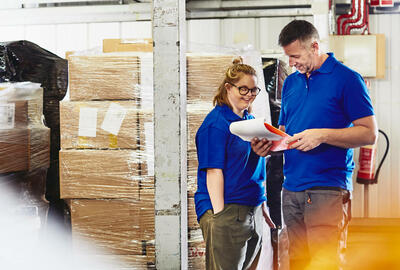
x,y
280,145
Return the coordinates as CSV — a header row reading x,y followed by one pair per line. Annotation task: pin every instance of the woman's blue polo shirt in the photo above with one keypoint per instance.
x,y
332,97
243,170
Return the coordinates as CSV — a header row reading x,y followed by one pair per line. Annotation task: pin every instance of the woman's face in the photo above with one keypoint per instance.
x,y
241,102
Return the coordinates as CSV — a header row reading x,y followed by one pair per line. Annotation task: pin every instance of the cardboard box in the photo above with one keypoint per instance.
x,y
24,149
128,45
192,217
114,226
21,113
196,113
22,105
112,76
202,85
99,174
362,53
192,165
147,206
120,262
99,125
197,250
146,141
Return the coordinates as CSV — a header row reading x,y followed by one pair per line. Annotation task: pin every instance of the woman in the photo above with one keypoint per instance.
x,y
230,197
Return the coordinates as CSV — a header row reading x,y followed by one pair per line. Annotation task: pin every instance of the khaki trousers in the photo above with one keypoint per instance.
x,y
232,236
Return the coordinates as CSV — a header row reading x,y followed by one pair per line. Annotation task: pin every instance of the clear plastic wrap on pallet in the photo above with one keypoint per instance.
x,y
205,72
196,250
106,161
192,217
196,113
104,174
100,174
99,132
21,105
99,124
22,61
24,149
27,190
115,227
24,152
24,140
108,76
119,262
25,61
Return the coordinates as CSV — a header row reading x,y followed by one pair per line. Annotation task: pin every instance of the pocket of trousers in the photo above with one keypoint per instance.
x,y
323,207
223,211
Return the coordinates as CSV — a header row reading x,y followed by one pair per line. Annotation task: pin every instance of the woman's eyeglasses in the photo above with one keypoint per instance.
x,y
243,90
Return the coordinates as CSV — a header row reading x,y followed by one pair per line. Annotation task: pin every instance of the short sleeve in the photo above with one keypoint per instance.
x,y
357,102
211,145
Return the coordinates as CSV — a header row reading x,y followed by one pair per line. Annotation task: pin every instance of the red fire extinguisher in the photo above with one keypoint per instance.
x,y
366,173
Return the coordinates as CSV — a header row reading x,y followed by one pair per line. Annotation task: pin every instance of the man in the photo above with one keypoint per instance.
x,y
327,111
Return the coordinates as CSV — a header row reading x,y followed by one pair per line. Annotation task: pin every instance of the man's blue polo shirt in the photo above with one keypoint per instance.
x,y
332,97
243,170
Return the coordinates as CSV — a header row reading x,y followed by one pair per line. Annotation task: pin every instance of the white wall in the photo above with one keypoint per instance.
x,y
60,38
262,33
384,198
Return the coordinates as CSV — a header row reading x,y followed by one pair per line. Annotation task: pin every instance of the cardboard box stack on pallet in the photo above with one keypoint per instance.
x,y
24,146
25,61
204,75
105,162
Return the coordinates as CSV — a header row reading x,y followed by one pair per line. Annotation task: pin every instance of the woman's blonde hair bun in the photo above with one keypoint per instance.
x,y
238,60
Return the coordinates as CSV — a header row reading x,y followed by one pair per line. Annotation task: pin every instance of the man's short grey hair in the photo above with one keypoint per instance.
x,y
298,30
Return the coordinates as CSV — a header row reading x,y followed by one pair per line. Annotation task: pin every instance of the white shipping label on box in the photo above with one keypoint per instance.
x,y
114,117
87,122
7,115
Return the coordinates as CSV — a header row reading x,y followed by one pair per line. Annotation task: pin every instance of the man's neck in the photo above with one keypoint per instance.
x,y
321,59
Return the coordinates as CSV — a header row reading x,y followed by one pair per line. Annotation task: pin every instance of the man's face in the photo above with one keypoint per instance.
x,y
302,56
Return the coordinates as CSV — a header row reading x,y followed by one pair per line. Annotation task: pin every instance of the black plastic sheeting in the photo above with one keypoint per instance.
x,y
275,72
25,61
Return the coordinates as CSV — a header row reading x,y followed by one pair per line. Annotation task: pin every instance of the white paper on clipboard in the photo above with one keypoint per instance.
x,y
248,129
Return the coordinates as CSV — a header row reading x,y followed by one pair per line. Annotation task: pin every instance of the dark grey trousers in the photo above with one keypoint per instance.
x,y
232,236
316,222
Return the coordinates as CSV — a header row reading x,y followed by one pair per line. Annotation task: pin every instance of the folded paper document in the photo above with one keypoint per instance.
x,y
248,129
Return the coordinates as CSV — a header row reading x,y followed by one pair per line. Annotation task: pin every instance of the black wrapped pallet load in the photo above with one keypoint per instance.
x,y
22,61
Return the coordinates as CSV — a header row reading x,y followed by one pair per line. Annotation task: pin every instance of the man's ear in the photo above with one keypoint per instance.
x,y
315,46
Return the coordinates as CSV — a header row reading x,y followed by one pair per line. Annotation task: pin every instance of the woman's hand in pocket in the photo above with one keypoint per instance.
x,y
267,218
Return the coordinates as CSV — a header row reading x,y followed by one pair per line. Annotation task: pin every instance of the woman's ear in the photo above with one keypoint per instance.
x,y
227,86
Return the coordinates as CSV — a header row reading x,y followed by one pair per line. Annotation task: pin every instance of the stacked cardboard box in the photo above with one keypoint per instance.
x,y
24,61
197,250
104,168
24,140
24,146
